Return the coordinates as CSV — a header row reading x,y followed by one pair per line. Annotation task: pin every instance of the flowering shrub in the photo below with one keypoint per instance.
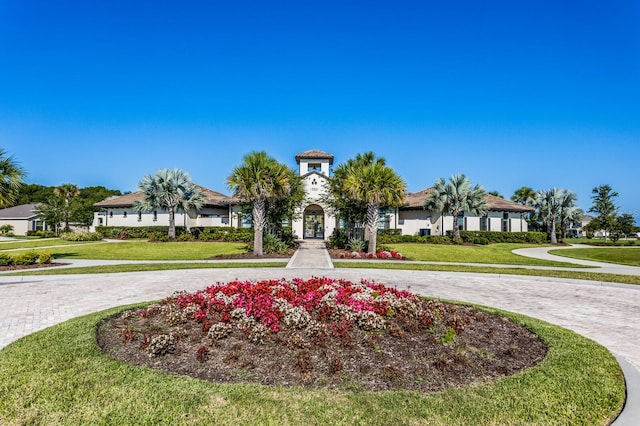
x,y
307,311
383,254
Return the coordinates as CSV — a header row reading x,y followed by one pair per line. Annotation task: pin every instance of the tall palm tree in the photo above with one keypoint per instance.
x,y
66,192
457,196
350,210
171,190
260,178
372,182
11,179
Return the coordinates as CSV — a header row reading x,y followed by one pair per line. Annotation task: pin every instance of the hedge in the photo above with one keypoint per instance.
x,y
158,233
471,237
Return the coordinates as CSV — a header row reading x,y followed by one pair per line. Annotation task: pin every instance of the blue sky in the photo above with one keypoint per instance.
x,y
543,94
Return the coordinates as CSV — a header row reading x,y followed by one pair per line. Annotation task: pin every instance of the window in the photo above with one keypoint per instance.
x,y
155,215
484,223
139,216
461,221
110,214
124,215
225,220
505,222
314,167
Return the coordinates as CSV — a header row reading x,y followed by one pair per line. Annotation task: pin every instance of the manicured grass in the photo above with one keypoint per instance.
x,y
142,267
602,242
58,376
625,256
144,250
577,275
27,244
493,253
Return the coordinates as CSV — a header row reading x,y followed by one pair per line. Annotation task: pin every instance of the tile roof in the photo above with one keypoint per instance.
x,y
23,211
315,153
416,200
213,198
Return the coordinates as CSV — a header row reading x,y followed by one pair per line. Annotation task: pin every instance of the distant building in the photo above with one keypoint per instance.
x,y
22,218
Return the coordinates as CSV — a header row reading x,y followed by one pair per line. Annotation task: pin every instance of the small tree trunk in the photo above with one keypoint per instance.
x,y
456,231
554,240
373,216
258,226
172,223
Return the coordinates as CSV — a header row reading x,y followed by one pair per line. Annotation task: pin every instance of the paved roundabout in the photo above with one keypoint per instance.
x,y
606,313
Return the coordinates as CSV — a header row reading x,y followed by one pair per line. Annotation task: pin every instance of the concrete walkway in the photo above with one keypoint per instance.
x,y
311,254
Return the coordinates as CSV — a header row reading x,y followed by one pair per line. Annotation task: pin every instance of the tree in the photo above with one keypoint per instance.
x,y
495,193
626,224
522,194
351,211
285,208
258,180
555,205
455,197
604,207
171,190
569,212
11,179
376,185
52,212
67,192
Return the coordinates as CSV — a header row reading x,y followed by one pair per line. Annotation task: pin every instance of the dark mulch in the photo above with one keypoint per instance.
x,y
404,356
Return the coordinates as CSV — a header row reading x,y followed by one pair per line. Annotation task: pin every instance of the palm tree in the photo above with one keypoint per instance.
x,y
568,210
521,195
171,190
455,197
260,178
11,179
548,205
66,192
371,181
350,210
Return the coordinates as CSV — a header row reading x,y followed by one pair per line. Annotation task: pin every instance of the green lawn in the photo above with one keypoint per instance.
x,y
25,244
576,275
58,377
143,250
494,253
625,256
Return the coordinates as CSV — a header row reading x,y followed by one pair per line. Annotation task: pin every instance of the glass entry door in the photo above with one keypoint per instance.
x,y
314,224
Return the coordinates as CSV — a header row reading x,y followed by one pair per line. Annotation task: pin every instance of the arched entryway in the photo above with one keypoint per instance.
x,y
313,222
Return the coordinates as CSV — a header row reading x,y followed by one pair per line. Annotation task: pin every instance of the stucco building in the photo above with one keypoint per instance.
x,y
315,219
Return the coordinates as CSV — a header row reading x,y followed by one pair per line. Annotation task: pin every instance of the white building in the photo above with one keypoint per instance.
x,y
316,221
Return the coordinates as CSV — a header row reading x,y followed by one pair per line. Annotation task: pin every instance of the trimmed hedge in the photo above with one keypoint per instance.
x,y
477,237
160,233
470,237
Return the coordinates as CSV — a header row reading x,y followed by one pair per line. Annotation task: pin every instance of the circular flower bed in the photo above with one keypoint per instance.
x,y
320,332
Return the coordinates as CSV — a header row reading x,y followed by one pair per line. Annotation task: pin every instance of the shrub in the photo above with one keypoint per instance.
x,y
157,237
125,232
45,257
5,259
185,237
6,229
223,233
356,244
272,244
41,234
81,236
26,258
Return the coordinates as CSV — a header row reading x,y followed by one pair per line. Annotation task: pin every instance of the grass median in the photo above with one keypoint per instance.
x,y
58,376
